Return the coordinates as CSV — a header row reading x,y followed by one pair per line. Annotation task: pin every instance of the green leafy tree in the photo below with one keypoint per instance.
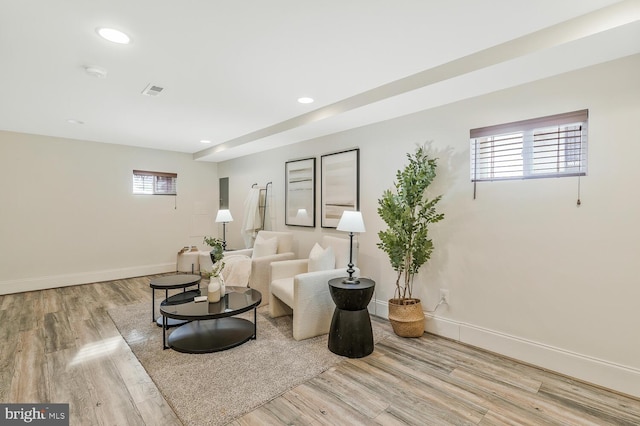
x,y
408,213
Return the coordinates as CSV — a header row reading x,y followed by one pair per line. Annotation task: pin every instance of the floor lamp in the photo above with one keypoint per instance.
x,y
224,216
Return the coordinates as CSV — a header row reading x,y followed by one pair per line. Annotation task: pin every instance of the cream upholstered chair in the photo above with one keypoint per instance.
x,y
269,246
301,286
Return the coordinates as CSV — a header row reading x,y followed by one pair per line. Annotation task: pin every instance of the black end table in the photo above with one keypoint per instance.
x,y
169,282
351,334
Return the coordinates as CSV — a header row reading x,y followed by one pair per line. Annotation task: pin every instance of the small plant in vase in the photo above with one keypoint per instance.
x,y
216,288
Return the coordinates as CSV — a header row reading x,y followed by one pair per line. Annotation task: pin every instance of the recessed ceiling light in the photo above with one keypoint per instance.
x,y
205,141
113,35
74,121
305,100
96,72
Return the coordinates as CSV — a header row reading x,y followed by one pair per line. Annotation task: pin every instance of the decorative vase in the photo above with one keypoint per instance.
x,y
214,290
406,317
223,287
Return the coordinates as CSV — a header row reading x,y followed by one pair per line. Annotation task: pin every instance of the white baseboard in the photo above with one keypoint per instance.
x,y
600,372
54,281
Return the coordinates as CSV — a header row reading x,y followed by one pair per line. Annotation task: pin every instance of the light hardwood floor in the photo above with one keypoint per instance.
x,y
60,345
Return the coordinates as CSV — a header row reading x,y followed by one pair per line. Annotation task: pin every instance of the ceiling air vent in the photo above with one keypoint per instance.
x,y
152,90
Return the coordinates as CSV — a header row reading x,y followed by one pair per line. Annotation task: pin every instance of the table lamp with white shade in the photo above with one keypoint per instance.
x,y
224,216
351,221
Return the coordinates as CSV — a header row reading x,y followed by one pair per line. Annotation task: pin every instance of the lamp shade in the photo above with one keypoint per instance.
x,y
302,214
224,215
351,221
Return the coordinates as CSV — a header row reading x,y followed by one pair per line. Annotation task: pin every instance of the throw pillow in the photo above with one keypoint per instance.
x,y
321,259
341,247
264,247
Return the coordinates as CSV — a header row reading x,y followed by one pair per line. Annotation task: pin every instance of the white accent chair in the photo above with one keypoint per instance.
x,y
264,252
305,295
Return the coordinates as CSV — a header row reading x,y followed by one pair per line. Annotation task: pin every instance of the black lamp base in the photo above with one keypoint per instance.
x,y
224,236
351,280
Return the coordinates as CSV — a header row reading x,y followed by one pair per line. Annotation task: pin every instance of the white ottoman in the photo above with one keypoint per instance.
x,y
188,262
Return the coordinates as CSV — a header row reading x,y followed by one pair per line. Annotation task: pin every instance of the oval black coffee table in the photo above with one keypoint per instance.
x,y
212,327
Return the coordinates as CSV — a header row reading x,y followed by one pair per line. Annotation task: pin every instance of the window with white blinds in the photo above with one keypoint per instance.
x,y
550,146
154,183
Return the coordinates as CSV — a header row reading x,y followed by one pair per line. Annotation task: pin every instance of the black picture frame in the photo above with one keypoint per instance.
x,y
300,192
340,185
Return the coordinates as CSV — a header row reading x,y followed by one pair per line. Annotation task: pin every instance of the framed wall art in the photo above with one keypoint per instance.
x,y
340,177
300,192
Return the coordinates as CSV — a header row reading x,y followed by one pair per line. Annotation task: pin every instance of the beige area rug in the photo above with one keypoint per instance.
x,y
215,388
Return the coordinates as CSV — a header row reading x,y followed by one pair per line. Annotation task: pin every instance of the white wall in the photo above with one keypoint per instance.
x,y
530,274
68,215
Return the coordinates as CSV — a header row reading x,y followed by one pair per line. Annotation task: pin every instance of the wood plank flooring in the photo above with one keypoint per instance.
x,y
60,345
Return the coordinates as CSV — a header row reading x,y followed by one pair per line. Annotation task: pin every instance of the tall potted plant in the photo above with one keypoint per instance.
x,y
408,212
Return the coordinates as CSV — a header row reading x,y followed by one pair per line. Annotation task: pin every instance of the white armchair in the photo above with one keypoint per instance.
x,y
305,294
265,251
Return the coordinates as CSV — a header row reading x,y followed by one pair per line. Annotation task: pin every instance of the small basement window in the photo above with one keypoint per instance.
x,y
552,146
154,183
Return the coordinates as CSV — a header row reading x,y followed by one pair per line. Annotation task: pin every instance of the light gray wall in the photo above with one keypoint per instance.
x,y
530,274
68,215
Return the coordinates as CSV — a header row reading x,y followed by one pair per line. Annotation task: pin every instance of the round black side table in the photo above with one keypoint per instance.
x,y
169,282
350,334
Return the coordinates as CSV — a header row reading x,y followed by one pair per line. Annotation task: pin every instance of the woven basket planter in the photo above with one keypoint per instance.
x,y
406,317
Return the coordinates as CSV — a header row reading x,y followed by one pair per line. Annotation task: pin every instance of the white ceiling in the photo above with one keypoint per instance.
x,y
232,70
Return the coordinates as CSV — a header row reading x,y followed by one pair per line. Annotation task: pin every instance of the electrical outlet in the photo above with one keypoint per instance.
x,y
444,294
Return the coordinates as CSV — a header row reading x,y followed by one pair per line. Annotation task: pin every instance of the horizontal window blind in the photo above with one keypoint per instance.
x,y
550,146
154,183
